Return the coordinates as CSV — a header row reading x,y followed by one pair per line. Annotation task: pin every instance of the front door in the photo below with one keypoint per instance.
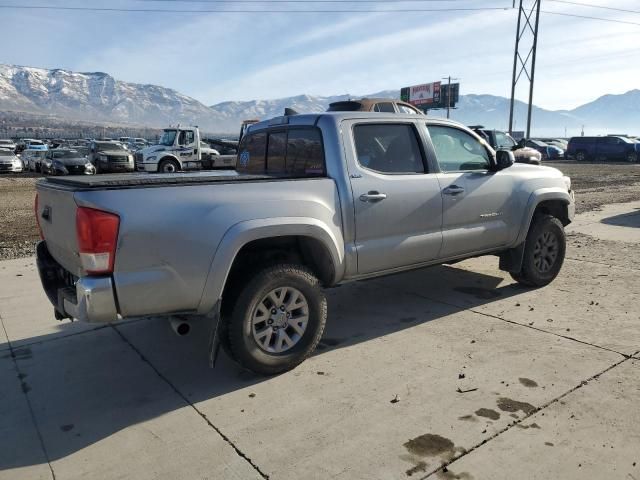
x,y
397,201
477,202
187,149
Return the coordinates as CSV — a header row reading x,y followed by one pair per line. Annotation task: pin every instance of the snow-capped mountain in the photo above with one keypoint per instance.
x,y
95,96
98,97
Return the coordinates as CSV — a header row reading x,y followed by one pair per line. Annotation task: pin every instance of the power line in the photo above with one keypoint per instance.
x,y
604,7
159,10
591,18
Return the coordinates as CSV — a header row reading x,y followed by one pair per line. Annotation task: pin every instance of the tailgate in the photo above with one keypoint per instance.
x,y
57,217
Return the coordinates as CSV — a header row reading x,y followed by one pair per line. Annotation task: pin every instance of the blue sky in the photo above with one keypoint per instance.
x,y
215,57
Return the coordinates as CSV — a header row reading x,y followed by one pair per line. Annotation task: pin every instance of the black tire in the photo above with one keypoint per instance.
x,y
245,349
168,166
581,155
536,271
632,157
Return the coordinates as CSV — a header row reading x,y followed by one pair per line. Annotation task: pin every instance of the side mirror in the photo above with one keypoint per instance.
x,y
504,159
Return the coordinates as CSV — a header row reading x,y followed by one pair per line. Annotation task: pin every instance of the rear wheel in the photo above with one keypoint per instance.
x,y
632,157
277,319
544,252
581,156
168,166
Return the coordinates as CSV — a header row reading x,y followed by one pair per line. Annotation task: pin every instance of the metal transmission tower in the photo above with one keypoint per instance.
x,y
526,62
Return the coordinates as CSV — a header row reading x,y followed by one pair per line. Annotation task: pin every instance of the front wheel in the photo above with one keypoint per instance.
x,y
581,156
277,320
544,252
632,157
168,166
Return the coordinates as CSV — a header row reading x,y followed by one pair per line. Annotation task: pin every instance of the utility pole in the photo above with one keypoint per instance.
x,y
528,21
449,93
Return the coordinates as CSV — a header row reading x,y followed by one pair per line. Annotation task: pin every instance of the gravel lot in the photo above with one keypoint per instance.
x,y
595,185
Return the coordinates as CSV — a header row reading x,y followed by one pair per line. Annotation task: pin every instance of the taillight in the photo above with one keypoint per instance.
x,y
36,211
97,233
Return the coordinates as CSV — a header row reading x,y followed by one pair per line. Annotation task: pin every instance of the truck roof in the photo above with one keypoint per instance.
x,y
337,117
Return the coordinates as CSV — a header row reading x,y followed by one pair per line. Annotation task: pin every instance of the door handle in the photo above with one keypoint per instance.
x,y
453,190
372,196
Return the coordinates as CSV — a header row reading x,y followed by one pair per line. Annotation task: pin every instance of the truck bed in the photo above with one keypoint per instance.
x,y
132,180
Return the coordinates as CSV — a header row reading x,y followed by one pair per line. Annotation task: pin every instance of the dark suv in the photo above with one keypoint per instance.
x,y
603,148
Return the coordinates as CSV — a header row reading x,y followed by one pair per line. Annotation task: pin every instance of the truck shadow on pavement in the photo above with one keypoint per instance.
x,y
624,220
84,389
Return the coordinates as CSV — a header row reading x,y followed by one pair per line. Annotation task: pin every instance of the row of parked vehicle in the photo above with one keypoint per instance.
x,y
88,157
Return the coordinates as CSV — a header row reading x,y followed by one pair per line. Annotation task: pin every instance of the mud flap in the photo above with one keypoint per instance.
x,y
214,339
511,260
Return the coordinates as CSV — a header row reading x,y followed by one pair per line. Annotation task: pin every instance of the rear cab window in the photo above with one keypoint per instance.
x,y
294,152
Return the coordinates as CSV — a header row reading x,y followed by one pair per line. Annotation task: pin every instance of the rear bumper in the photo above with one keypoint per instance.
x,y
88,299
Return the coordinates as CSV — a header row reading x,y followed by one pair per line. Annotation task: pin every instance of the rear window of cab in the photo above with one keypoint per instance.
x,y
290,152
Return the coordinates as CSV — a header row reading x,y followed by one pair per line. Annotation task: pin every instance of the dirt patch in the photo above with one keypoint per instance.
x,y
488,413
429,445
508,405
527,382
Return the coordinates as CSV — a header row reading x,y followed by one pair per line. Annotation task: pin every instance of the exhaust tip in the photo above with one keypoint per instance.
x,y
180,327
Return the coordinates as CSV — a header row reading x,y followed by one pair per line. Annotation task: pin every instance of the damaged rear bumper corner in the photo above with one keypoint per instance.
x,y
88,299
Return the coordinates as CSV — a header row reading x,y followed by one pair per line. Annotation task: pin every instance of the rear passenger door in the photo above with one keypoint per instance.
x,y
478,203
397,201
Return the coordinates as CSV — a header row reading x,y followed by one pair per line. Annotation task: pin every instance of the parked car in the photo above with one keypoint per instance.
x,y
603,148
548,152
66,162
561,143
32,159
6,144
110,157
35,145
319,200
224,146
211,158
9,162
386,105
499,140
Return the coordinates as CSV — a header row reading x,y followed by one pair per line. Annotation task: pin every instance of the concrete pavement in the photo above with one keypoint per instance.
x,y
451,372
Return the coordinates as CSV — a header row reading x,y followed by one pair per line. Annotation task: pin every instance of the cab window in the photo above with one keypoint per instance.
x,y
252,151
295,153
456,150
388,148
384,107
409,110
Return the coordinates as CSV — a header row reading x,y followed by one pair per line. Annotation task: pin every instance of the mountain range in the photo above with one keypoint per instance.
x,y
98,97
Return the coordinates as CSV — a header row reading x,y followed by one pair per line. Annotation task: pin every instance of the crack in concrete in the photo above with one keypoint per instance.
x,y
517,422
239,452
512,322
29,406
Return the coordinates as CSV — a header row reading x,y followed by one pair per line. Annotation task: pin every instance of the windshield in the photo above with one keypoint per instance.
x,y
6,142
168,137
37,143
108,146
6,153
37,153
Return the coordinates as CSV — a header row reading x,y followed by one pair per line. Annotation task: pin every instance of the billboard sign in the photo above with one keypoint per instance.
x,y
433,95
426,94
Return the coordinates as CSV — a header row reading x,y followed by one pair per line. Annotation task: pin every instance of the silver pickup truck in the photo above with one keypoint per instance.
x,y
318,200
